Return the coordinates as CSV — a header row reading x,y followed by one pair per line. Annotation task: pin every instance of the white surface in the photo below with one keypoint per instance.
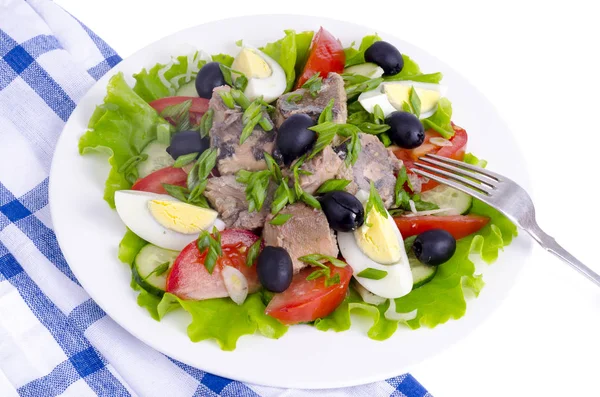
x,y
76,204
517,53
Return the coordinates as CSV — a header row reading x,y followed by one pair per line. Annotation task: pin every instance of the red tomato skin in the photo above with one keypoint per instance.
x,y
458,225
326,56
198,108
153,182
456,151
189,279
314,300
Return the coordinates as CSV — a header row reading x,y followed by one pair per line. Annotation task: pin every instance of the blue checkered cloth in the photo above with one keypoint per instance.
x,y
55,340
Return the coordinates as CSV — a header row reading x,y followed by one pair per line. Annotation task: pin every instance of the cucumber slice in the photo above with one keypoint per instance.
x,y
422,274
448,197
147,260
188,89
157,158
368,69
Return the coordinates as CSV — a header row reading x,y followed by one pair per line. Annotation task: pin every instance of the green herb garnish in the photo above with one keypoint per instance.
x,y
372,274
401,196
159,270
257,185
354,90
206,123
372,128
332,280
375,202
179,192
129,167
227,99
314,260
385,139
326,131
179,114
378,115
310,200
280,219
294,97
415,101
332,185
212,244
241,82
327,113
253,252
273,167
185,159
313,85
324,270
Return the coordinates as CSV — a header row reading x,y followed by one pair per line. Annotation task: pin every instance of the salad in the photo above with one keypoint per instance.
x,y
273,187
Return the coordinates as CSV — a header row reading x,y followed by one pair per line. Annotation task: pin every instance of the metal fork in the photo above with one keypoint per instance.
x,y
501,193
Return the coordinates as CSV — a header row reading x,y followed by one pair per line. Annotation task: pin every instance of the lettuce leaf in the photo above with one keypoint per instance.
x,y
163,80
443,297
225,321
357,56
121,127
290,53
224,59
440,121
303,42
129,247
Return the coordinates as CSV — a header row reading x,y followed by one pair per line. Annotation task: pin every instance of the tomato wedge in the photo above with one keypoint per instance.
x,y
189,279
456,151
326,55
307,300
153,182
198,108
458,226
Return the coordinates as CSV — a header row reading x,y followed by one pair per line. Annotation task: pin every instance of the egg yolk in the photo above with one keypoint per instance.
x,y
379,240
251,64
181,217
400,93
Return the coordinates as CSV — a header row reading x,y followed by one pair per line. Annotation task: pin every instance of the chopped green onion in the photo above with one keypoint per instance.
x,y
163,133
375,202
325,134
415,101
310,200
313,85
227,99
378,115
333,280
159,270
372,274
273,167
332,185
253,252
294,97
185,159
373,129
280,219
327,113
206,123
179,192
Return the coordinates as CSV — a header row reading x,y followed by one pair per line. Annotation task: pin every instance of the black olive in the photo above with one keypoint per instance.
x,y
275,269
185,142
344,212
385,56
406,130
208,78
294,137
434,247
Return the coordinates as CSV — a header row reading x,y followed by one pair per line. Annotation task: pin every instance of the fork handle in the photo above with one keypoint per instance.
x,y
549,244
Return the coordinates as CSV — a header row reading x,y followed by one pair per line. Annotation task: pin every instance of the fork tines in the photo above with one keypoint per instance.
x,y
462,176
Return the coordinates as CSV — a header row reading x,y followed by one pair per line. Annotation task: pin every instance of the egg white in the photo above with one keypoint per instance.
x,y
132,207
378,96
398,282
270,88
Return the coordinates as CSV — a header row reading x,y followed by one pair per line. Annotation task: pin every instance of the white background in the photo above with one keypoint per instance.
x,y
538,63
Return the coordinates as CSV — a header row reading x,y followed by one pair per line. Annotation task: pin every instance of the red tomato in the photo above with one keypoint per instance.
x,y
153,182
458,226
189,279
307,300
326,55
456,151
198,108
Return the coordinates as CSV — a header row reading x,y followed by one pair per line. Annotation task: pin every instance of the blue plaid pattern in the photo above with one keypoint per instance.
x,y
75,336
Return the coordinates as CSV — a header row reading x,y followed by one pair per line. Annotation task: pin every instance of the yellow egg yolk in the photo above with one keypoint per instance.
x,y
379,240
251,64
181,217
399,93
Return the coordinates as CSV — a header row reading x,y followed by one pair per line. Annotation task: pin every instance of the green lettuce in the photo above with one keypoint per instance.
x,y
129,247
121,127
224,59
440,121
289,52
303,42
410,71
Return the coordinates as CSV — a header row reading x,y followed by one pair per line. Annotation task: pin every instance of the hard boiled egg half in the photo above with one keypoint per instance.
x,y
163,220
378,245
266,77
391,95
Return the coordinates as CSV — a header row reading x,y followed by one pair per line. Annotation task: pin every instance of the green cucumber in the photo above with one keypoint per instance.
x,y
188,89
368,69
145,264
158,158
421,273
448,197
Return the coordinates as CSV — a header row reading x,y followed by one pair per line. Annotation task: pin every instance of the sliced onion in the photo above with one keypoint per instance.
x,y
368,296
439,141
446,211
235,284
413,207
392,315
416,182
219,224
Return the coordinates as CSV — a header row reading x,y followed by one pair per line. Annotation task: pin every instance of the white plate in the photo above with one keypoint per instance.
x,y
89,233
